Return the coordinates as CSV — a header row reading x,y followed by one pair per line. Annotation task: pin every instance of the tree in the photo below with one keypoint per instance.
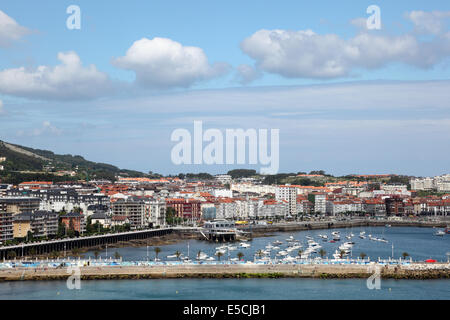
x,y
240,255
219,254
260,253
11,255
342,254
198,254
322,253
116,255
96,254
157,251
300,252
405,255
362,255
178,254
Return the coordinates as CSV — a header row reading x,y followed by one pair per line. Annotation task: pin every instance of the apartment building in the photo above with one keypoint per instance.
x,y
155,212
74,221
40,223
133,209
289,194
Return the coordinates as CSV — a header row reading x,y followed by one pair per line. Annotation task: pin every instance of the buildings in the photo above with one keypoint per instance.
x,y
133,209
289,194
74,221
155,212
6,226
438,183
39,223
189,209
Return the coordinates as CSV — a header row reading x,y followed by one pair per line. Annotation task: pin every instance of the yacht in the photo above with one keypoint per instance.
x,y
440,233
277,242
244,245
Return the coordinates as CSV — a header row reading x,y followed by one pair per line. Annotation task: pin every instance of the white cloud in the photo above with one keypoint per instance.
x,y
429,22
246,74
45,129
306,54
164,63
10,30
68,80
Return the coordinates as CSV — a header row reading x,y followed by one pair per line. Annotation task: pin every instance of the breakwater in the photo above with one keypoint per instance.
x,y
249,270
330,224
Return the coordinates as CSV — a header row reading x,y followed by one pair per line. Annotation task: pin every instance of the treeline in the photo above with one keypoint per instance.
x,y
17,177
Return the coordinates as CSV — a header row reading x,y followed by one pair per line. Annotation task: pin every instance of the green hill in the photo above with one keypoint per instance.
x,y
25,163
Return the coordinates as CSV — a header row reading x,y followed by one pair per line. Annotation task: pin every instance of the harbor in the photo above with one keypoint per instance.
x,y
400,253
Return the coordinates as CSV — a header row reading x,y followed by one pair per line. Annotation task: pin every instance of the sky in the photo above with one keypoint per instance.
x,y
346,99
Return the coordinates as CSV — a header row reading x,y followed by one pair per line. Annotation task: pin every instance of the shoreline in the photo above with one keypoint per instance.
x,y
238,271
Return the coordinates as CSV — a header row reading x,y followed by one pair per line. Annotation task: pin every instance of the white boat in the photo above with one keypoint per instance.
x,y
232,248
440,233
291,238
244,245
173,256
282,253
277,242
210,259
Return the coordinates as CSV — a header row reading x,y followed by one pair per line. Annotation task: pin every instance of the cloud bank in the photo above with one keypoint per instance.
x,y
69,80
164,63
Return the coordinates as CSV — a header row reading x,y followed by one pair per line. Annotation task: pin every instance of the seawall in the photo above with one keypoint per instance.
x,y
423,271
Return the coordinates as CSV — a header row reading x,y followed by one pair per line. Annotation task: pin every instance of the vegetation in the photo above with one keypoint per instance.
x,y
219,255
241,173
322,253
157,251
240,255
178,254
362,255
42,165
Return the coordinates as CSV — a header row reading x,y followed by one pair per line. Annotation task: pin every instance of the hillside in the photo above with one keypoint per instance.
x,y
25,163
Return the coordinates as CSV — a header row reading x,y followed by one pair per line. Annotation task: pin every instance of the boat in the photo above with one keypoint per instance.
x,y
388,226
290,239
244,245
277,242
447,230
173,256
336,237
440,233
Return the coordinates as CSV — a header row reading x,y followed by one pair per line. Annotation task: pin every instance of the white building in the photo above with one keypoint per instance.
x,y
320,203
289,194
155,212
222,193
223,178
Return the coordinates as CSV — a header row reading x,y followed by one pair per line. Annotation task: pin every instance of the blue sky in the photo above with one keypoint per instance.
x,y
109,92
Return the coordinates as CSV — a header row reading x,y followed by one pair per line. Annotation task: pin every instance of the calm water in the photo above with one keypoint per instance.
x,y
233,289
420,243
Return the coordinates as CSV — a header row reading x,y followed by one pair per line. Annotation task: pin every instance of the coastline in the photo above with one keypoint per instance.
x,y
416,271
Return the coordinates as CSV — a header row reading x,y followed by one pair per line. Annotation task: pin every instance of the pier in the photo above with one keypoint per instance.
x,y
45,247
